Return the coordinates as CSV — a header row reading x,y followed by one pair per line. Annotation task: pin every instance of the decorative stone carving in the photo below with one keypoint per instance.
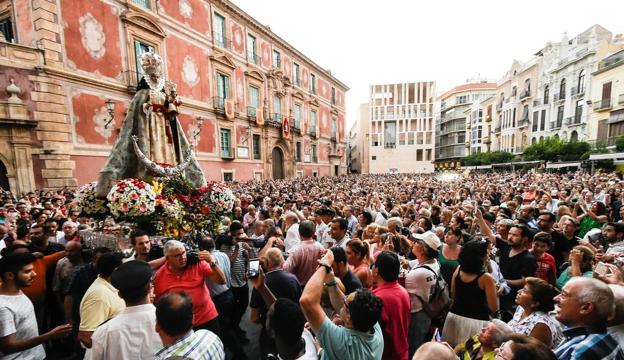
x,y
92,36
186,10
13,90
99,119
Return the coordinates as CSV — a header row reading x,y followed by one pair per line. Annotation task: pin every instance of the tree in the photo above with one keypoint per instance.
x,y
619,144
548,149
574,150
487,158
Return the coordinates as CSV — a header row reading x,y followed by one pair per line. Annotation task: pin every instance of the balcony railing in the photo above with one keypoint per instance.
x,y
525,94
556,124
577,118
221,40
390,146
537,102
227,153
497,130
559,97
312,133
523,122
218,103
251,112
296,129
577,92
603,104
621,99
568,121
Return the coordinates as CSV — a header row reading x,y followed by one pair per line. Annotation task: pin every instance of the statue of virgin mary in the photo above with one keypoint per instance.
x,y
150,134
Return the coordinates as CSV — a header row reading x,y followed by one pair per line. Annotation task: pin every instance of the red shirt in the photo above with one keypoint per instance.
x,y
545,267
395,318
192,282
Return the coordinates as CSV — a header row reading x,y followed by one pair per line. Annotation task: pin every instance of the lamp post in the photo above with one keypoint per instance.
x,y
199,121
110,108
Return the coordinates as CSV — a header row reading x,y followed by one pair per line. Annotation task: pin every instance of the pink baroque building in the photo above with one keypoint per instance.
x,y
66,62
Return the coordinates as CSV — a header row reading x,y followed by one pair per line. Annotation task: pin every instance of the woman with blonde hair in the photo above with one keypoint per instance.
x,y
358,257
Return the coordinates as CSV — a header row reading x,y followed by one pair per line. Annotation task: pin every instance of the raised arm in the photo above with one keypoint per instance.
x,y
311,298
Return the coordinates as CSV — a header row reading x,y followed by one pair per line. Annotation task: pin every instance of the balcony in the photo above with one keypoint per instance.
x,y
218,103
486,140
497,130
602,105
556,124
621,99
296,129
221,40
559,97
251,112
274,120
523,122
576,92
488,117
312,133
499,106
568,121
390,146
525,94
227,153
334,138
314,159
537,102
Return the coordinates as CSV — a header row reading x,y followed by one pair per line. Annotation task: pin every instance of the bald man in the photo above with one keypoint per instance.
x,y
434,350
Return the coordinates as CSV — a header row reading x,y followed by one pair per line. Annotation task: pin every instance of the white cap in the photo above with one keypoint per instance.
x,y
430,238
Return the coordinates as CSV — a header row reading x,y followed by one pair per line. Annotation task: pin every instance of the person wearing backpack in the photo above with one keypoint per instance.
x,y
420,282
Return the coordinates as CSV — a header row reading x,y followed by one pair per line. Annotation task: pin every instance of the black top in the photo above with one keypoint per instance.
x,y
560,244
351,282
470,300
514,268
282,284
48,250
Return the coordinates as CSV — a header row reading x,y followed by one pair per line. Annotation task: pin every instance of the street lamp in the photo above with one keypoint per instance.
x,y
110,108
199,121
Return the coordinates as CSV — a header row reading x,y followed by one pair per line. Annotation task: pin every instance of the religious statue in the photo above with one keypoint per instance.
x,y
151,140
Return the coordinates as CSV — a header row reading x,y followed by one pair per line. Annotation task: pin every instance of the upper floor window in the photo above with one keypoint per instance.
x,y
295,71
313,83
581,82
145,3
546,94
333,95
277,59
297,116
254,97
313,119
514,91
6,28
251,48
277,108
562,89
218,24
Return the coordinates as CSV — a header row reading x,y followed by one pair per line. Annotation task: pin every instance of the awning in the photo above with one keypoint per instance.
x,y
606,156
559,165
519,163
476,167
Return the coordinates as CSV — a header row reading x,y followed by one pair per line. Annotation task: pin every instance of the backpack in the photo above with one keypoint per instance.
x,y
439,301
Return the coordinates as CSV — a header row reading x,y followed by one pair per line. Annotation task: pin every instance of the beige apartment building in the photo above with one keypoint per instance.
x,y
453,126
400,126
607,98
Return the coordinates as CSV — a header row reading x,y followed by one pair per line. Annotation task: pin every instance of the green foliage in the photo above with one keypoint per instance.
x,y
574,150
554,149
487,158
619,144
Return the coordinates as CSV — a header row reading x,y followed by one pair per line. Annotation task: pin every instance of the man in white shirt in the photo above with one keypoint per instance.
x,y
323,218
132,333
291,226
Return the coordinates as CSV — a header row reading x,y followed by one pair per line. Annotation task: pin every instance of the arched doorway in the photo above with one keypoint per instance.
x,y
278,163
574,136
4,179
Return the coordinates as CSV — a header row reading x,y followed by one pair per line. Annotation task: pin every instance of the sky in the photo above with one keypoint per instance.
x,y
375,42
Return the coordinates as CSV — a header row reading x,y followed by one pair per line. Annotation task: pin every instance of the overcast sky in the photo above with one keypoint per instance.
x,y
366,42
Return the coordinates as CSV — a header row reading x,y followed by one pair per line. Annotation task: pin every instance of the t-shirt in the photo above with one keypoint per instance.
x,y
100,303
17,316
516,267
419,282
351,282
339,342
193,282
43,267
546,268
395,318
282,284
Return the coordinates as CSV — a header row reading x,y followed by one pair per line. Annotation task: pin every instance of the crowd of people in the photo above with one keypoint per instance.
x,y
478,266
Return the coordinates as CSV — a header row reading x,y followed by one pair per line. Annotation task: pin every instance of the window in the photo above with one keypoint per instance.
x,y
543,121
334,127
333,95
373,157
581,82
139,49
295,72
223,89
228,176
462,99
419,155
514,91
578,112
277,108
535,120
390,134
312,120
254,97
226,150
527,85
277,59
297,115
559,115
218,35
314,155
256,147
251,48
6,28
546,94
562,89
144,3
313,83
298,151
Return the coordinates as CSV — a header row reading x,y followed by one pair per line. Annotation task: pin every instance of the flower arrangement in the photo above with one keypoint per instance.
x,y
222,199
131,198
87,203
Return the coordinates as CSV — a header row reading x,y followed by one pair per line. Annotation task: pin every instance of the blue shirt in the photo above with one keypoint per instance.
x,y
339,342
224,263
581,345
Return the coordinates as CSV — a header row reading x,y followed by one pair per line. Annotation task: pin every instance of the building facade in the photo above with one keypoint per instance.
x,y
239,82
453,126
359,148
401,128
607,91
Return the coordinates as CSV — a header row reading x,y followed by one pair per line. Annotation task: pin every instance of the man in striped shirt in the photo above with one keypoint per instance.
x,y
174,324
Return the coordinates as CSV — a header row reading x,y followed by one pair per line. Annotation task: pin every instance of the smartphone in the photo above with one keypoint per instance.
x,y
254,268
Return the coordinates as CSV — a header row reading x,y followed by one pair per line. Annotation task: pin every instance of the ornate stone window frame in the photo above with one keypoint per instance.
x,y
142,28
